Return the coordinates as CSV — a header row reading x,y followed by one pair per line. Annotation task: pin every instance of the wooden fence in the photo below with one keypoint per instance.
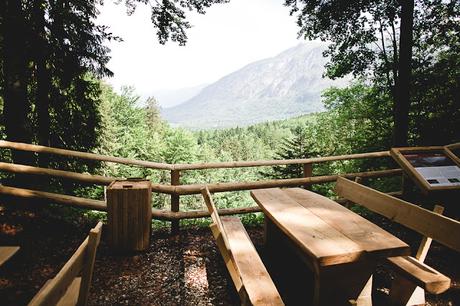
x,y
175,189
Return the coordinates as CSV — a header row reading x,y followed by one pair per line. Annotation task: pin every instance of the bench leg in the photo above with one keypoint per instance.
x,y
405,293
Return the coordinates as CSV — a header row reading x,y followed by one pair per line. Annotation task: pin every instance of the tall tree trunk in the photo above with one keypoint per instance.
x,y
402,97
42,100
15,77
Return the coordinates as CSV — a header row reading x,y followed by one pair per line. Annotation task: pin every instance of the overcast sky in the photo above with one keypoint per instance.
x,y
223,40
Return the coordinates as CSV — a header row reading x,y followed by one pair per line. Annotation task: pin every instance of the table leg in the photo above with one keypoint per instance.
x,y
270,232
338,284
333,285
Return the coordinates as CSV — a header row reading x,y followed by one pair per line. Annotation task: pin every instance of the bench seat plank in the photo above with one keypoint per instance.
x,y
421,274
256,280
367,235
6,252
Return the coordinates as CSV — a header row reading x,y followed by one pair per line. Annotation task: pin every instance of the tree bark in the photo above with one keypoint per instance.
x,y
15,78
402,96
42,100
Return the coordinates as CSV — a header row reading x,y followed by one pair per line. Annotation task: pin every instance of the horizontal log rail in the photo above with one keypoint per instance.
x,y
98,205
67,175
240,186
158,214
195,188
83,155
54,197
192,166
453,146
275,162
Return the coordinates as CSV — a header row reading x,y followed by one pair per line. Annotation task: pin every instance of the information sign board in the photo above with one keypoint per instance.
x,y
431,168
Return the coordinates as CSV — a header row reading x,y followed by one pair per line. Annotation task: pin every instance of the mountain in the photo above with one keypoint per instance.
x,y
287,85
173,97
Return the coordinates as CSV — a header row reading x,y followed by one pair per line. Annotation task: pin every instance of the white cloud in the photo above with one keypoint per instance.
x,y
223,40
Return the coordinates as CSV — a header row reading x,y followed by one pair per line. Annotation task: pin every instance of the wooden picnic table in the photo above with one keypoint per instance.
x,y
340,247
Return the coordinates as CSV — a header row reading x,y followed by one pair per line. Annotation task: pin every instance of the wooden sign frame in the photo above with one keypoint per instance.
x,y
399,155
449,149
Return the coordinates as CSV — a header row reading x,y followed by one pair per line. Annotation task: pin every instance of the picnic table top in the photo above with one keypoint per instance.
x,y
324,230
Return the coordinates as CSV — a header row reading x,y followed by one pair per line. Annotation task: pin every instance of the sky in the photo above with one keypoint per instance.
x,y
228,37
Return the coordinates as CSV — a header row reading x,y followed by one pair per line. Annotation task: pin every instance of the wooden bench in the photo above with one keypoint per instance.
x,y
251,279
67,287
6,252
413,275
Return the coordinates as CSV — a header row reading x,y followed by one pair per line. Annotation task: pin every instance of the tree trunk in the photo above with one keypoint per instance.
x,y
15,78
402,95
15,72
42,100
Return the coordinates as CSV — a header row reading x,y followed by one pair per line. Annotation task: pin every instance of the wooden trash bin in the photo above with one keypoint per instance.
x,y
129,215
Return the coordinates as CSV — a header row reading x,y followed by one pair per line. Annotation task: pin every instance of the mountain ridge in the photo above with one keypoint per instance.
x,y
284,86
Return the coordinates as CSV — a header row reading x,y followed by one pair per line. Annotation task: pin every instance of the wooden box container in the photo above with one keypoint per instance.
x,y
129,215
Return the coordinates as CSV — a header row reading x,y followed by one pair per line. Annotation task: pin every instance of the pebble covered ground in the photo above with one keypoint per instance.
x,y
183,269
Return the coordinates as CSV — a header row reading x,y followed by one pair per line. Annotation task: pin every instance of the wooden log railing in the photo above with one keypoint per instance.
x,y
83,155
175,189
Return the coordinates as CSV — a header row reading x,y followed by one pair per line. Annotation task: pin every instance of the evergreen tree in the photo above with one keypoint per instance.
x,y
299,146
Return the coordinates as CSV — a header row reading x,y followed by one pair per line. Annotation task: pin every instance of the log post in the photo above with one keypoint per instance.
x,y
307,172
129,215
175,200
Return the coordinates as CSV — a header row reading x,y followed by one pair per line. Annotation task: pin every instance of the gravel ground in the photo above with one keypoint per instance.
x,y
184,269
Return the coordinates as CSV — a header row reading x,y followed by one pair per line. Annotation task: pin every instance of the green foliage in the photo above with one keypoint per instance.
x,y
169,17
373,40
130,131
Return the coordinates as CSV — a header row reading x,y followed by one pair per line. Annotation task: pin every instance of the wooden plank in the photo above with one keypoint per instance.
x,y
87,272
430,224
451,154
6,252
256,280
426,241
66,288
214,215
323,244
367,235
420,274
56,288
70,297
227,257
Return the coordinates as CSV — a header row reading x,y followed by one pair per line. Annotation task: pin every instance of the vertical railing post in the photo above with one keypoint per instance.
x,y
307,171
175,200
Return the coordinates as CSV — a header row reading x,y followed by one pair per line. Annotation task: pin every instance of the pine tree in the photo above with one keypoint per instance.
x,y
296,147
